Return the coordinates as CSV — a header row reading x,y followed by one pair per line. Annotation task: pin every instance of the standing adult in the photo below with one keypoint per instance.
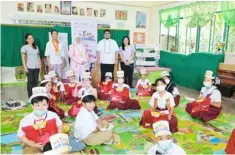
x,y
107,54
55,54
31,62
127,53
79,59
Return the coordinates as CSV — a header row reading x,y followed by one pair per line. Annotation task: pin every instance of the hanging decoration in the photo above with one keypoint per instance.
x,y
200,13
170,17
228,12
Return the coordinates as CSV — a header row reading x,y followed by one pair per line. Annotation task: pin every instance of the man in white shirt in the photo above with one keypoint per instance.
x,y
165,144
55,54
107,54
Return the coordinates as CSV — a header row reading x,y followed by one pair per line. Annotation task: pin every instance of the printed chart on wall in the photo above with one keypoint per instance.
x,y
63,38
139,38
87,31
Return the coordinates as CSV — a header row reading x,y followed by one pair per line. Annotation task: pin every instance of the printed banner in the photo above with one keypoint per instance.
x,y
87,30
139,38
63,38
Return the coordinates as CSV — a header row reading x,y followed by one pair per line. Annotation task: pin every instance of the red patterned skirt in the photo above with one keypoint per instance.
x,y
129,104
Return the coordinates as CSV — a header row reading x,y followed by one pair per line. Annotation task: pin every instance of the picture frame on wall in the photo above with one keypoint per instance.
x,y
96,13
89,11
139,38
56,10
48,8
140,19
39,9
82,12
30,7
102,12
120,15
74,10
65,7
20,7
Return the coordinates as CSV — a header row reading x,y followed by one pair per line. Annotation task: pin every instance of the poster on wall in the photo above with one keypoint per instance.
x,y
140,19
74,10
89,11
102,12
120,15
56,10
87,30
39,9
65,7
30,7
120,25
63,38
20,6
82,12
48,8
139,38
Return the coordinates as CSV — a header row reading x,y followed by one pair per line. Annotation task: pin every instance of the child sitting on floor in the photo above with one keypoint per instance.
x,y
165,144
57,86
80,91
37,127
105,87
88,127
208,107
120,95
171,87
144,87
52,98
162,103
70,88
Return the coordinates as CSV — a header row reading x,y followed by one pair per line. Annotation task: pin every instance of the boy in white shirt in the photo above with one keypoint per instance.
x,y
37,127
165,144
88,127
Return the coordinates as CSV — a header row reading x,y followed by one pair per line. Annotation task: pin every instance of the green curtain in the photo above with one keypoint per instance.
x,y
170,17
189,70
200,13
12,39
228,12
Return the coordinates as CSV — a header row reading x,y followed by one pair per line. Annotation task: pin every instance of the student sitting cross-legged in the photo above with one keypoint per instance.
x,y
37,127
88,127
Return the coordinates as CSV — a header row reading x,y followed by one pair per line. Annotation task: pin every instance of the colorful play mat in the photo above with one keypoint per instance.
x,y
198,138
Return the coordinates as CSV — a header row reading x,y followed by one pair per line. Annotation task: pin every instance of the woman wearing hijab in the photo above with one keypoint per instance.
x,y
78,58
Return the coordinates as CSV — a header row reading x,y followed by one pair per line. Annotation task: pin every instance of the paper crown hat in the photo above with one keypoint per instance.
x,y
143,71
52,74
165,73
69,73
38,91
120,74
161,128
209,74
108,74
86,75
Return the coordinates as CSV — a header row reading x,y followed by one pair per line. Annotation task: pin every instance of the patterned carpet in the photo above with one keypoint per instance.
x,y
204,138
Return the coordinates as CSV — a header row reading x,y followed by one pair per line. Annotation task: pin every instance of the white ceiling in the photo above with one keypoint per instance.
x,y
139,3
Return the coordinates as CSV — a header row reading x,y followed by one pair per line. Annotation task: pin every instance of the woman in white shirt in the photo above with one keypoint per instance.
x,y
127,53
162,103
208,107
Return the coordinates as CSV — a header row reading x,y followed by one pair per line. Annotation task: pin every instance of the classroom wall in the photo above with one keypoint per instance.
x,y
9,8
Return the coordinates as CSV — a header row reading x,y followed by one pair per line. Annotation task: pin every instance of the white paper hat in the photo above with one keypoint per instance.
x,y
59,143
86,94
108,74
209,74
86,75
38,91
143,71
161,128
69,73
165,73
120,74
47,78
52,74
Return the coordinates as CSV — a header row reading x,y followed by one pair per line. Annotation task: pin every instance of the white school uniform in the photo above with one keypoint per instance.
x,y
107,49
85,124
146,82
174,150
29,119
161,101
50,51
215,96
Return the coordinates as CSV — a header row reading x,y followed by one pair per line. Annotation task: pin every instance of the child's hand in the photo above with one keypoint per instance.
x,y
169,117
39,146
97,129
